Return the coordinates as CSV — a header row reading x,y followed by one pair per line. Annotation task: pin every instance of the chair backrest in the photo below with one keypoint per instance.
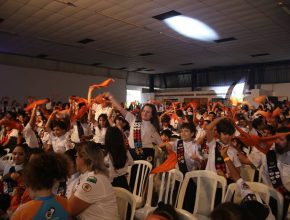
x,y
185,215
168,182
124,197
207,183
140,170
263,190
248,173
167,189
7,157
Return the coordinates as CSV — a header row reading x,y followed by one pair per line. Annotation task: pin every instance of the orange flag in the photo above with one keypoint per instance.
x,y
254,140
99,99
11,124
79,99
168,164
105,83
80,113
37,102
276,112
260,99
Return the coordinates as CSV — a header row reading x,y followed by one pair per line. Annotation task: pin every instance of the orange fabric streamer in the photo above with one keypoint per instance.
x,y
168,164
276,112
45,113
81,112
99,99
105,83
34,103
11,124
260,99
79,99
254,140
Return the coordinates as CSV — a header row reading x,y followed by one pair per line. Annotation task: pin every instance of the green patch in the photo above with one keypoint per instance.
x,y
92,179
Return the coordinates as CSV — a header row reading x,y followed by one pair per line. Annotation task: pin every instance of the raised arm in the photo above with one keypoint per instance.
x,y
115,104
48,123
210,129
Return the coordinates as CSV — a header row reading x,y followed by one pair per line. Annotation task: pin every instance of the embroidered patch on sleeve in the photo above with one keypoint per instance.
x,y
86,187
92,179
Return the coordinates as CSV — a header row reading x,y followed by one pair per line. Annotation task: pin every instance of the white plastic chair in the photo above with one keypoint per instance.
x,y
140,182
166,191
207,183
124,197
248,173
7,157
263,190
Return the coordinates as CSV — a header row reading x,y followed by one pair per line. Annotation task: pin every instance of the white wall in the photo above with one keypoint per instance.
x,y
20,82
278,89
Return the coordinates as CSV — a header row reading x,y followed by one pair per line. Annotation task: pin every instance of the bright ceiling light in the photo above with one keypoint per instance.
x,y
191,28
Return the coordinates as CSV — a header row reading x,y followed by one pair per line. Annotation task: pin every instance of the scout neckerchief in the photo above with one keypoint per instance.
x,y
137,138
219,160
180,157
274,174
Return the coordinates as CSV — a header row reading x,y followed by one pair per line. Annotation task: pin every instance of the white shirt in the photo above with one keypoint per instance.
x,y
200,133
71,184
149,134
256,156
30,136
100,134
283,163
60,144
232,153
13,133
190,148
75,134
120,172
100,110
97,190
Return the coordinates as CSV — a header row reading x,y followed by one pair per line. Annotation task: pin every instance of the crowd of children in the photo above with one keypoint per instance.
x,y
67,156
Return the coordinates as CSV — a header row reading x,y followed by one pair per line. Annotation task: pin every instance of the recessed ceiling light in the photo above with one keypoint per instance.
x,y
145,54
187,26
96,64
259,54
225,40
186,64
41,55
166,15
86,41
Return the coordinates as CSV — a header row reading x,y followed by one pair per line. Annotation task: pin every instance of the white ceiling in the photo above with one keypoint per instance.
x,y
123,29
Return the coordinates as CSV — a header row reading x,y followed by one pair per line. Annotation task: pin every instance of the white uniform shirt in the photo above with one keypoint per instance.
x,y
71,184
149,134
75,134
190,148
30,136
98,109
97,190
283,163
100,134
60,144
232,153
120,172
